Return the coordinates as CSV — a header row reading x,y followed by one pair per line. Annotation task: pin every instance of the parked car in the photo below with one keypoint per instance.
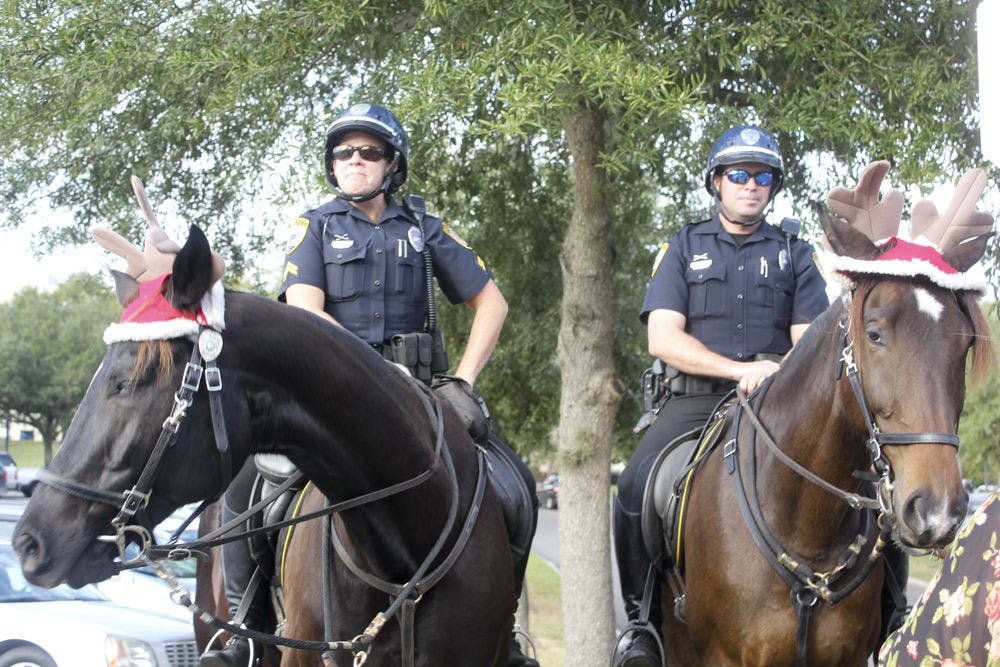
x,y
548,492
66,627
8,472
25,480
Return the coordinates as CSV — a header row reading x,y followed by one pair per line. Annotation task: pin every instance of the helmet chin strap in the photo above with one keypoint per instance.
x,y
385,188
763,214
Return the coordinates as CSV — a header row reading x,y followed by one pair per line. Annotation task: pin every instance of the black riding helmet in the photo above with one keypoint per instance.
x,y
376,121
745,143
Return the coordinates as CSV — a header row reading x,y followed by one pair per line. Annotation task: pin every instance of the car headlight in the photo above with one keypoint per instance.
x,y
122,652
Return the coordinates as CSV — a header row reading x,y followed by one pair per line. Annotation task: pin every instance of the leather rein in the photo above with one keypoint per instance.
x,y
134,501
808,586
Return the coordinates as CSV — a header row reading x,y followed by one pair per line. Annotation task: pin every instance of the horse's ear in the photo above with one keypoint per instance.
x,y
842,238
192,275
126,287
967,253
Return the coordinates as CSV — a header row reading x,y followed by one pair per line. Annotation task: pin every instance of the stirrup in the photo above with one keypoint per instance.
x,y
517,631
251,660
631,630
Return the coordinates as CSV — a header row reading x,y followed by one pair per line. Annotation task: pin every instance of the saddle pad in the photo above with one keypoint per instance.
x,y
667,488
284,537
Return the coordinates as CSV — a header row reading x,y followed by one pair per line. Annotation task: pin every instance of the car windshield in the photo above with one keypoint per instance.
x,y
15,588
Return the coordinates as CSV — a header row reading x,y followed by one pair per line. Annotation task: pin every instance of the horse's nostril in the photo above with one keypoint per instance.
x,y
915,505
28,550
932,521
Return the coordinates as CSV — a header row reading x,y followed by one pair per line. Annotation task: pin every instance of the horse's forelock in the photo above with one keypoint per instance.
x,y
160,352
856,306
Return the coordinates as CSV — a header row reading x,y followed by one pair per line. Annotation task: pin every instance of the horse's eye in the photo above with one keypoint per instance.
x,y
874,337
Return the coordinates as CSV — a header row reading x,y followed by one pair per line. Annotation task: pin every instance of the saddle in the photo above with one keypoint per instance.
x,y
664,503
516,498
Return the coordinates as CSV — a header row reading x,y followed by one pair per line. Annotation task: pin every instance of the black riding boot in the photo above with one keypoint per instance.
x,y
520,557
633,569
238,565
894,608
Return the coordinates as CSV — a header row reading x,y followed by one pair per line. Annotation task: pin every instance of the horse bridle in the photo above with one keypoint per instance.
x,y
876,439
204,354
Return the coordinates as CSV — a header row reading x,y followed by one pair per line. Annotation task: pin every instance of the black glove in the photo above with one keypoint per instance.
x,y
467,403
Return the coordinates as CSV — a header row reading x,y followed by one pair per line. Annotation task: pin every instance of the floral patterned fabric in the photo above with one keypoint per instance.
x,y
956,622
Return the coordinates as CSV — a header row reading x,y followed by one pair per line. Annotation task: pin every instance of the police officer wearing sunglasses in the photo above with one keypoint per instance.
x,y
359,261
728,297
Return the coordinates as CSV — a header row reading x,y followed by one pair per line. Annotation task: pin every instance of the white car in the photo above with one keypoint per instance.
x,y
8,471
65,627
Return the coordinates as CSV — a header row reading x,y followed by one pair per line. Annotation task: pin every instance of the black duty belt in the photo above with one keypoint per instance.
x,y
685,385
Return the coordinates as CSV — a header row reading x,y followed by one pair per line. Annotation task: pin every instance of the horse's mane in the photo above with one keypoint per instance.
x,y
982,357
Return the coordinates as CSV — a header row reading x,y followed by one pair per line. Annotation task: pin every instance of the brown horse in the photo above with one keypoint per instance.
x,y
779,542
286,382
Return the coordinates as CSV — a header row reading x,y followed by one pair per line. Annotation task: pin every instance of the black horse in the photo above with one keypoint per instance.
x,y
287,382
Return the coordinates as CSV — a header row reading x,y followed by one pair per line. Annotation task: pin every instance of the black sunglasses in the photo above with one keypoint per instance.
x,y
741,176
367,153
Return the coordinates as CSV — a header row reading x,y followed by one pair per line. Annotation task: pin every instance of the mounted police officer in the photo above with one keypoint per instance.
x,y
728,297
365,262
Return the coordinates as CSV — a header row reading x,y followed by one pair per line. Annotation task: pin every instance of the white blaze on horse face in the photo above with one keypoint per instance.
x,y
927,303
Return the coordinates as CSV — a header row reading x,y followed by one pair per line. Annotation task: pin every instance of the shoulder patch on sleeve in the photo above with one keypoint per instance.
x,y
295,233
659,258
458,239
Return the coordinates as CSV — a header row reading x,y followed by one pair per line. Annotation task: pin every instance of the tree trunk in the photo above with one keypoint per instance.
x,y
589,400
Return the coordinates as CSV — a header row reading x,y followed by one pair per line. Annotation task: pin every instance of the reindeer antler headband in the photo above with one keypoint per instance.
x,y
148,315
943,247
157,257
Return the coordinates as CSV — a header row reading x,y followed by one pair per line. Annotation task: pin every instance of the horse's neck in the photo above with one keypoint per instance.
x,y
811,415
353,423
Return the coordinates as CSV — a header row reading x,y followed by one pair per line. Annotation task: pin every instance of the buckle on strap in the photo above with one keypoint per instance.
x,y
213,378
192,377
134,501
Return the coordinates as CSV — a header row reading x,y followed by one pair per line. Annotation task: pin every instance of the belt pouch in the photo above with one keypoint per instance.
x,y
425,352
439,357
406,350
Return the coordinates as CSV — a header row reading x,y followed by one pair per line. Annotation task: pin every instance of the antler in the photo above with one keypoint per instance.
x,y
960,234
868,220
157,257
877,220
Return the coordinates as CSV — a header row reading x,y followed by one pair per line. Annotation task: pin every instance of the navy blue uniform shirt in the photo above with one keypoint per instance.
x,y
738,300
373,272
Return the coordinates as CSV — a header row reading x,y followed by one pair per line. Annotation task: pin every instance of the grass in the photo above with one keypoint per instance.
x,y
28,453
924,567
545,612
